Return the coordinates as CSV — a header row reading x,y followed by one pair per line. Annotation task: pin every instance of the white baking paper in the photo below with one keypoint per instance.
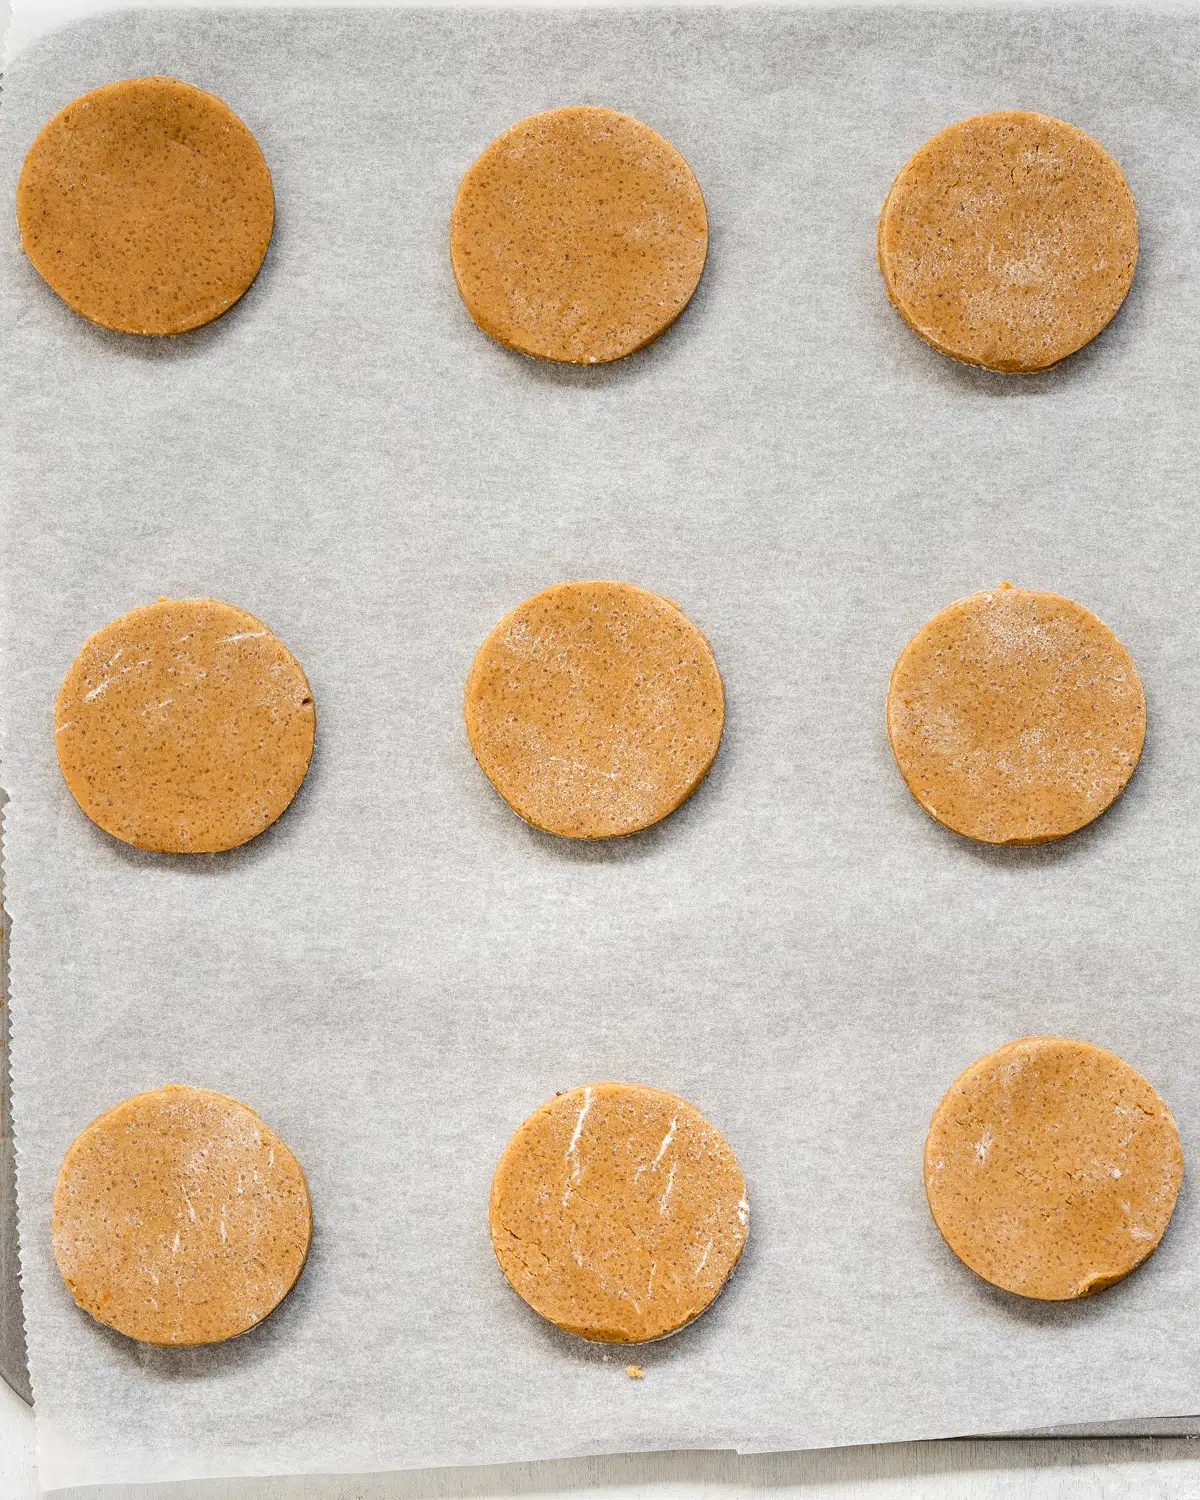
x,y
32,19
400,970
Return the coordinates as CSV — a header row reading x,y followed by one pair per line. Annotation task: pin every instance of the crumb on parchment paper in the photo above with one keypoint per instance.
x,y
635,1372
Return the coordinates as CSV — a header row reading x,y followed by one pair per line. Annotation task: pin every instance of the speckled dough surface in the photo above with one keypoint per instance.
x,y
579,235
147,206
618,1212
595,709
1052,1168
180,1218
1009,240
1016,716
184,727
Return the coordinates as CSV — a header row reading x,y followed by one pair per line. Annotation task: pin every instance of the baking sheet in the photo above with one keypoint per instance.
x,y
400,970
12,1324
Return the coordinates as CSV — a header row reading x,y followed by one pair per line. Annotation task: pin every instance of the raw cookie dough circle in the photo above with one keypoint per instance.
x,y
1009,241
579,235
618,1212
184,727
180,1218
595,709
1016,716
1052,1168
147,206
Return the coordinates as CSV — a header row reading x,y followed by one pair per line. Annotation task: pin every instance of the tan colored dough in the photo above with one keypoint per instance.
x,y
595,709
1009,241
180,1218
184,727
147,206
1015,716
618,1212
1052,1168
579,235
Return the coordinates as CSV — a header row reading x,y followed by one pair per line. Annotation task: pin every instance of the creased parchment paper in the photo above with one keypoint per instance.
x,y
400,970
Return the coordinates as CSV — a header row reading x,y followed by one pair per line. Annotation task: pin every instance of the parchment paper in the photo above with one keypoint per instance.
x,y
400,970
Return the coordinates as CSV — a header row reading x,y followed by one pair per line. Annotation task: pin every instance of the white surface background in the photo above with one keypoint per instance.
x,y
993,1469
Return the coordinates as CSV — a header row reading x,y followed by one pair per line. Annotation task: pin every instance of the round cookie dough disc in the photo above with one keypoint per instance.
x,y
1052,1168
147,206
618,1212
1015,716
179,1218
579,235
595,709
184,727
1009,241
